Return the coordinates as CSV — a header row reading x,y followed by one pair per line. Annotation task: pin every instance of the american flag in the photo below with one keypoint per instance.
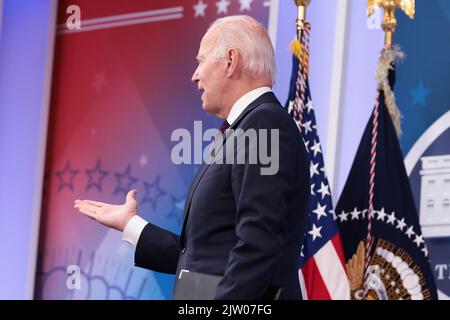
x,y
322,272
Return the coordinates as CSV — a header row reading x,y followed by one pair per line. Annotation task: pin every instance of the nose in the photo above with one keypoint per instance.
x,y
195,78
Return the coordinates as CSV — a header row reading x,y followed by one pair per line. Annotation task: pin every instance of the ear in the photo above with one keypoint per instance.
x,y
233,61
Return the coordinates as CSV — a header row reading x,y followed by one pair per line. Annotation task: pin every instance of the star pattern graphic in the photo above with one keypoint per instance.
x,y
222,6
246,5
153,192
124,181
199,9
66,177
392,221
419,95
96,177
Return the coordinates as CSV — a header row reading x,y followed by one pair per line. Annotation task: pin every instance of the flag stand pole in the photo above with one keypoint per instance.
x,y
389,26
302,5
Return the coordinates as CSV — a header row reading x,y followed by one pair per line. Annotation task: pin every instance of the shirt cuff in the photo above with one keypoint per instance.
x,y
133,230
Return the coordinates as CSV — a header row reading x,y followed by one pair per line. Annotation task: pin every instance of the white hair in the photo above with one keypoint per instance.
x,y
252,41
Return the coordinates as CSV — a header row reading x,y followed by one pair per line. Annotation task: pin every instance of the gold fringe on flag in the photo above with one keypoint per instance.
x,y
389,57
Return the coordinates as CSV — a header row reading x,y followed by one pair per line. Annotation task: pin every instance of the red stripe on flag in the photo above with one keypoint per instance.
x,y
315,285
337,244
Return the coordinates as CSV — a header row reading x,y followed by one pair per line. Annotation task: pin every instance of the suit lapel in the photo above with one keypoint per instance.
x,y
265,98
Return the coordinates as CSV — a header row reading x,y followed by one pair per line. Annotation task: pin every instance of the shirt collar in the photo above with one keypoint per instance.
x,y
244,101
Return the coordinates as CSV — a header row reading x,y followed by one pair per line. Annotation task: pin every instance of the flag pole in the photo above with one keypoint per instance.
x,y
300,49
302,5
390,21
387,60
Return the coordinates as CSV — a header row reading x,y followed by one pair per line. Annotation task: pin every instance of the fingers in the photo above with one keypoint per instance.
x,y
95,203
87,209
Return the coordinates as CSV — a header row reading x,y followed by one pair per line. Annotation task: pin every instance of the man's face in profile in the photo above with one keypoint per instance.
x,y
210,76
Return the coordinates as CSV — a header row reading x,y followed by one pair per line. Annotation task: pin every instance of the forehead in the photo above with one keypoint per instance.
x,y
206,44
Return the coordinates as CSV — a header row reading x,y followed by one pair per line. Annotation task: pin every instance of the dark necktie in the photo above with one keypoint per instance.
x,y
224,126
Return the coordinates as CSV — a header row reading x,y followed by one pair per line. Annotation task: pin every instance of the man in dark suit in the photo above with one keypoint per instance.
x,y
241,223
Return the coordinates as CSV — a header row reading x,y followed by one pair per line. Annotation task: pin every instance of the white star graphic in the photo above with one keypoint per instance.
x,y
401,224
246,5
290,106
143,160
363,213
372,214
316,148
320,211
315,232
391,218
381,215
418,240
410,232
313,169
222,6
307,144
425,251
309,106
343,216
355,214
312,189
200,8
324,190
307,126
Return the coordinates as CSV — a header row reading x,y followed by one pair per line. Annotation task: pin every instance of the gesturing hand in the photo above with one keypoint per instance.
x,y
110,215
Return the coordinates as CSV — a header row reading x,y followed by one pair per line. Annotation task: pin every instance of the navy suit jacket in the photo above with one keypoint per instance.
x,y
239,224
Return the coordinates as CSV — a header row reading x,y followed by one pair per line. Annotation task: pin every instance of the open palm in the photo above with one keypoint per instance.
x,y
110,215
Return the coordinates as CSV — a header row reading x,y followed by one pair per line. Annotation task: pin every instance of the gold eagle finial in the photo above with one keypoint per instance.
x,y
390,21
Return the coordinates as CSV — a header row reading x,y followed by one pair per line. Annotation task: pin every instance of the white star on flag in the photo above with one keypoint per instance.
x,y
343,216
324,190
315,232
391,218
312,189
410,232
381,215
401,224
320,211
309,106
355,214
222,6
307,126
418,240
313,169
316,148
200,8
245,5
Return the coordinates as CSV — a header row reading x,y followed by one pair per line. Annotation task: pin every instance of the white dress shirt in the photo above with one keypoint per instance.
x,y
134,227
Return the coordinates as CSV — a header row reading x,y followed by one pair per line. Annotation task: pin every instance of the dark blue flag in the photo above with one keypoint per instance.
x,y
394,264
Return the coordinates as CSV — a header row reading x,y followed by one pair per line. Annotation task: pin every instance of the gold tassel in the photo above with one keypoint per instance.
x,y
296,48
